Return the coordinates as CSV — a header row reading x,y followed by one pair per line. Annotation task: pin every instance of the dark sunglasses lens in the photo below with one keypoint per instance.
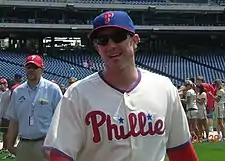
x,y
119,37
116,37
103,40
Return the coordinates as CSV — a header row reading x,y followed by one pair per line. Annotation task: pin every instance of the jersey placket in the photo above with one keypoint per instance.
x,y
129,108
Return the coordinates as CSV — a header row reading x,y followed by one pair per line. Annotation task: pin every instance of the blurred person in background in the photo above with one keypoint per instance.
x,y
182,94
192,109
4,103
18,78
210,100
72,80
202,114
3,86
219,108
63,88
3,90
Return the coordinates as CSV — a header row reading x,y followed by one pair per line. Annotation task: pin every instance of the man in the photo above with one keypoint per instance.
x,y
3,86
18,78
30,112
122,113
3,101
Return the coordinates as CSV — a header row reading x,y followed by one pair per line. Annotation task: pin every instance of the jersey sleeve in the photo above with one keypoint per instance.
x,y
178,130
67,128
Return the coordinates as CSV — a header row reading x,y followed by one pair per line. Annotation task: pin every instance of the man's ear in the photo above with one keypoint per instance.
x,y
96,47
136,40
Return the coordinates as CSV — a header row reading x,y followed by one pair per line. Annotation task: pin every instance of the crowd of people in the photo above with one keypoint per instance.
x,y
204,103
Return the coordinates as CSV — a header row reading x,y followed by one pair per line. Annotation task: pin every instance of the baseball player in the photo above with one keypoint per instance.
x,y
122,113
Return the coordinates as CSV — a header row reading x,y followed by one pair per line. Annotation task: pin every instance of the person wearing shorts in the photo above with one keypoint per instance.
x,y
192,109
202,114
219,107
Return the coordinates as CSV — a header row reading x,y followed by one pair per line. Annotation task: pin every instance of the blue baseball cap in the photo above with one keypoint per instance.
x,y
18,75
114,19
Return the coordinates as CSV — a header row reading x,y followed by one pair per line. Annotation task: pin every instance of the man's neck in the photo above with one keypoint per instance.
x,y
33,83
121,79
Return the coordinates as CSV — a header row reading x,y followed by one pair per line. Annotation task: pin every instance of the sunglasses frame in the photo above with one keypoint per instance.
x,y
123,35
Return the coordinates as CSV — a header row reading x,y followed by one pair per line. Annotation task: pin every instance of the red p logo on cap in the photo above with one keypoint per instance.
x,y
108,17
35,59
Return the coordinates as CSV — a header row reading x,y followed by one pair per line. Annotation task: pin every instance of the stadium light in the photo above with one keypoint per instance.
x,y
74,28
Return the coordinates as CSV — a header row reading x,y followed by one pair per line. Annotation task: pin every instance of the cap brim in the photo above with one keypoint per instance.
x,y
93,33
33,62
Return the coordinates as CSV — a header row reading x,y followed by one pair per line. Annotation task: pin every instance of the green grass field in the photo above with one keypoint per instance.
x,y
214,151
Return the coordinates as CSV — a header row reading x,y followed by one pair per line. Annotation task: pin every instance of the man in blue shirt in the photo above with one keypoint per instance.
x,y
30,111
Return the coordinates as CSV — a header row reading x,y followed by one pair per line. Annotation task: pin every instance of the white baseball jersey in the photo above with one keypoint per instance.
x,y
96,122
219,106
192,104
202,114
221,94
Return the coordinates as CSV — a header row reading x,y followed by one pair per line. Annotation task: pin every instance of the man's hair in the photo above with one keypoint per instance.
x,y
201,78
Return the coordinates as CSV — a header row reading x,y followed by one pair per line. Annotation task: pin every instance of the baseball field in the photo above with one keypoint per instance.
x,y
213,151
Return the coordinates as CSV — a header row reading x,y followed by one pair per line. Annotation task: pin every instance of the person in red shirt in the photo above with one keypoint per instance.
x,y
210,101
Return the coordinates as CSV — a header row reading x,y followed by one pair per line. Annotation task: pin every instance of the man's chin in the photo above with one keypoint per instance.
x,y
31,77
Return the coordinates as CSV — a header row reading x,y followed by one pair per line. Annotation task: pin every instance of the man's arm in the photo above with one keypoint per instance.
x,y
57,156
12,135
13,128
185,152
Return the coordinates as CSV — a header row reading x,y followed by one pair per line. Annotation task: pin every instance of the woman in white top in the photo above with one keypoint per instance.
x,y
202,114
192,109
219,107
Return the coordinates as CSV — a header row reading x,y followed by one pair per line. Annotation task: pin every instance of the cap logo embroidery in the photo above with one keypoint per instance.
x,y
33,57
108,17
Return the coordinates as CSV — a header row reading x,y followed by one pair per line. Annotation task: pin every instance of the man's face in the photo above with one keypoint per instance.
x,y
18,80
62,87
33,72
71,81
3,86
116,47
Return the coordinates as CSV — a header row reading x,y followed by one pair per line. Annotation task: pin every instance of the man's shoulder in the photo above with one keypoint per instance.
x,y
154,77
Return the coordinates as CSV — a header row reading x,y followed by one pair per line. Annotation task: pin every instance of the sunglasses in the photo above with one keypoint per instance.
x,y
116,37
